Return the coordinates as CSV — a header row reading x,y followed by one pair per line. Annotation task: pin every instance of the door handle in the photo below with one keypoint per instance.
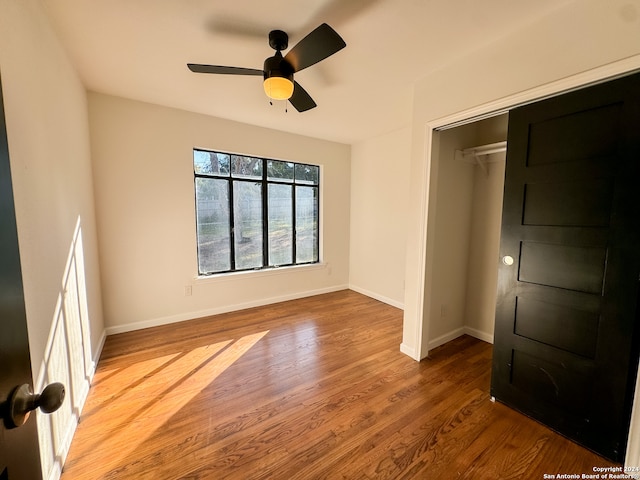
x,y
22,401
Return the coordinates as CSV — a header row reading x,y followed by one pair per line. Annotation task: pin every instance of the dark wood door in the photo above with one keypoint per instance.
x,y
19,451
565,350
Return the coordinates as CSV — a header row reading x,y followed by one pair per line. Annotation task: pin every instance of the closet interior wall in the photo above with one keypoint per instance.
x,y
467,232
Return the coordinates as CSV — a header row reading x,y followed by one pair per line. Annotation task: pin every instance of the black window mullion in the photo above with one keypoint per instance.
x,y
294,258
195,189
265,217
232,229
316,189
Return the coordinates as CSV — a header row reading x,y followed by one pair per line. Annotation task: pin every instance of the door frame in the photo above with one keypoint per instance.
x,y
422,277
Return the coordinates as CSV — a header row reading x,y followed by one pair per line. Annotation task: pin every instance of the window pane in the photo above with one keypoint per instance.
x,y
212,215
247,220
211,163
308,174
281,171
246,167
306,224
280,224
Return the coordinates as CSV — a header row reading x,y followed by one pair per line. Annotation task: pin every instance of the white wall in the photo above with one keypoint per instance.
x,y
47,127
452,231
572,40
379,197
143,178
482,270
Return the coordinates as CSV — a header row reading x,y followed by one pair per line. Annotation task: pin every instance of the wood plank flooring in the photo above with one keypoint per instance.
x,y
303,390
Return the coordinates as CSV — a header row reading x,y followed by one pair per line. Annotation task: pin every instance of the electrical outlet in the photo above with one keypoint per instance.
x,y
188,291
443,311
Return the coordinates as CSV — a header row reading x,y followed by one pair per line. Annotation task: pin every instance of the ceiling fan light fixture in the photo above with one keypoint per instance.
x,y
278,71
278,88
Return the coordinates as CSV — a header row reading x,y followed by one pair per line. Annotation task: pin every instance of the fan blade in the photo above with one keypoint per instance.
x,y
197,68
238,27
300,99
321,43
338,12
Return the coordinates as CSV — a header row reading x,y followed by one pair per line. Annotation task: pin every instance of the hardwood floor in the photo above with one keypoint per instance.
x,y
309,389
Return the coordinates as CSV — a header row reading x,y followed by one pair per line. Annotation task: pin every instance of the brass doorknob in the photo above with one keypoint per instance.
x,y
22,401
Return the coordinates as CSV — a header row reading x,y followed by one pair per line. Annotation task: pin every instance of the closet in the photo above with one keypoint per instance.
x,y
469,162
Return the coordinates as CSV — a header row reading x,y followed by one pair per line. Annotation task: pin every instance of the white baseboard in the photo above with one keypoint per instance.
x,y
409,351
479,334
447,337
98,352
181,317
378,297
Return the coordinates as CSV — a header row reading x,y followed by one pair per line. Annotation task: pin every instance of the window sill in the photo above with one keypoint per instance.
x,y
260,273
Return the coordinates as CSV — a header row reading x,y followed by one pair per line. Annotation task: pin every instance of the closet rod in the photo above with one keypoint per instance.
x,y
479,154
484,149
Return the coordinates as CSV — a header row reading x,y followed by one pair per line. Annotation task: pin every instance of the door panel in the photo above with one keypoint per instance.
x,y
551,381
569,328
19,451
573,267
569,203
565,347
564,138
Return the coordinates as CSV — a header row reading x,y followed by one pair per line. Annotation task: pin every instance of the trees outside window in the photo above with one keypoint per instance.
x,y
254,213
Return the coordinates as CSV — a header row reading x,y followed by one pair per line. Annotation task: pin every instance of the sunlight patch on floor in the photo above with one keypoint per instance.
x,y
163,387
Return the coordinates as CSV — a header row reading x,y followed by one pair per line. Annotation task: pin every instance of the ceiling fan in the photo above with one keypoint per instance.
x,y
278,71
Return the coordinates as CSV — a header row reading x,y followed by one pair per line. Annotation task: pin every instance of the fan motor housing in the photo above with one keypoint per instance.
x,y
277,66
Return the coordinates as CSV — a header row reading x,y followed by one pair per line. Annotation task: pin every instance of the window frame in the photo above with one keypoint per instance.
x,y
264,182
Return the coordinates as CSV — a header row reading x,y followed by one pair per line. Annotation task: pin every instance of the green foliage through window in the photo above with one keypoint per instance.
x,y
254,213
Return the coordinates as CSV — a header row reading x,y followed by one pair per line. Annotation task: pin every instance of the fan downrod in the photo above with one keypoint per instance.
x,y
278,40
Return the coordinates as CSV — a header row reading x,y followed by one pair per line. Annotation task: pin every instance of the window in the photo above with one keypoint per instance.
x,y
254,213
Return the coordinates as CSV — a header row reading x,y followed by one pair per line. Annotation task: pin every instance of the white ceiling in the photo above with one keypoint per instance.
x,y
139,49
